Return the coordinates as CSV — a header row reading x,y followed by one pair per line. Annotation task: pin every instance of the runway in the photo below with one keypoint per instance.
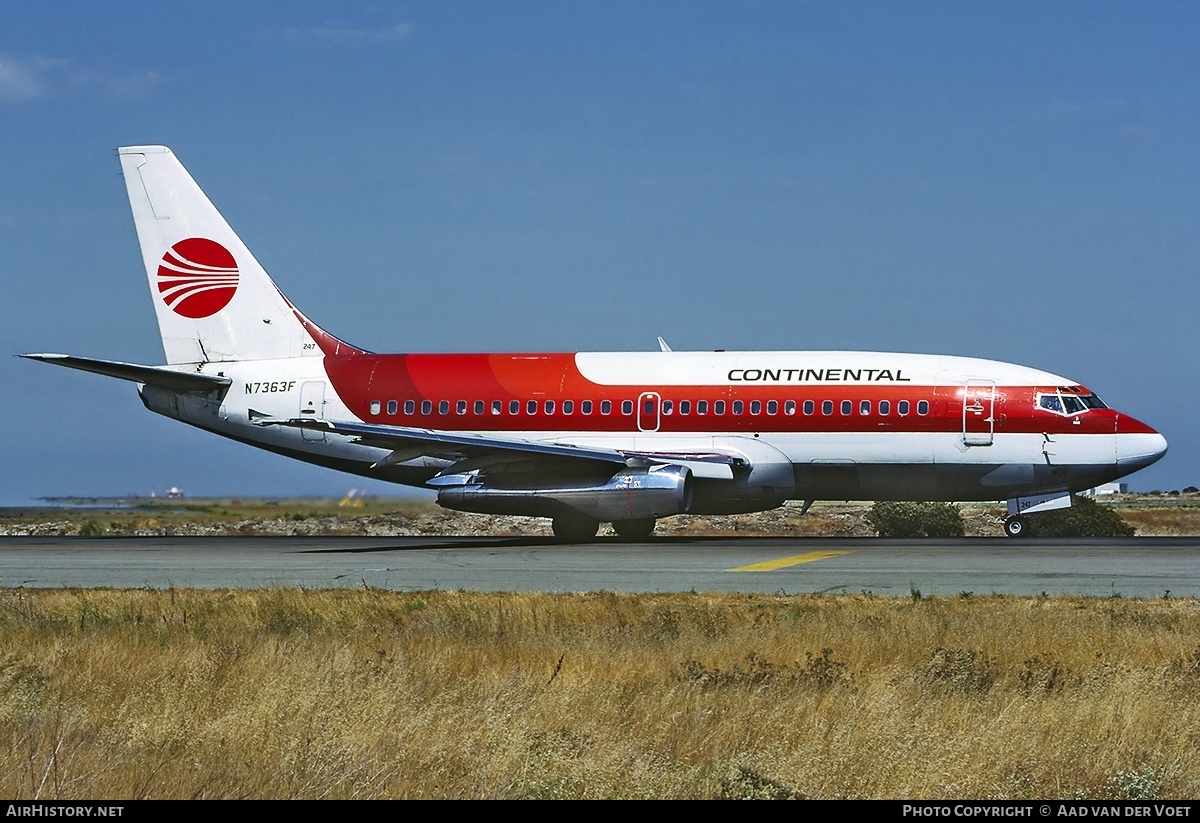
x,y
1135,567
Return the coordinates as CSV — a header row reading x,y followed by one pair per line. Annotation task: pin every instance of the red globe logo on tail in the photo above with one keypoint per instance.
x,y
197,277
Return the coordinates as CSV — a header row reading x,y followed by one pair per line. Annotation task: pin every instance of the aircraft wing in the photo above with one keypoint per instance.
x,y
483,451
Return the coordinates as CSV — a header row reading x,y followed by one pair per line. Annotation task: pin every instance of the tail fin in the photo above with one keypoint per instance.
x,y
213,300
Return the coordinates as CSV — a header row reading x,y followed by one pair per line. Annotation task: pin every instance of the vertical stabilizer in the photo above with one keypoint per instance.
x,y
213,300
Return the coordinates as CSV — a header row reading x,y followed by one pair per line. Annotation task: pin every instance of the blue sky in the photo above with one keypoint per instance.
x,y
1011,180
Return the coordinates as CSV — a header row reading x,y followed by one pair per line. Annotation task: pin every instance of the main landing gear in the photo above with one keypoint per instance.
x,y
639,529
572,528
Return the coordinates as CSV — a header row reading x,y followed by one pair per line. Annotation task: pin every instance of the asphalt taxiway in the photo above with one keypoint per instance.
x,y
1144,567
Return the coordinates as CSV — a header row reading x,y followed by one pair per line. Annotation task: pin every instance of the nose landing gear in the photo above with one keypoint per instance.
x,y
1015,527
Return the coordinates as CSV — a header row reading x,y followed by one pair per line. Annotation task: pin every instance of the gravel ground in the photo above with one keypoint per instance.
x,y
823,520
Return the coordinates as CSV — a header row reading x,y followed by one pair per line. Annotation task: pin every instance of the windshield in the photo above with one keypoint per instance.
x,y
1069,401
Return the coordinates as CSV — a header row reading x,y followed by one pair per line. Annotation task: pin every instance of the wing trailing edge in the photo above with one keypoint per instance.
x,y
481,451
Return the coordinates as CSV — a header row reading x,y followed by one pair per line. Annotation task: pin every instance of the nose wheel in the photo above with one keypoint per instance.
x,y
1016,527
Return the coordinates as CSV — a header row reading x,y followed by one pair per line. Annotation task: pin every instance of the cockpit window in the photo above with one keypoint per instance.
x,y
1072,404
1069,404
1050,402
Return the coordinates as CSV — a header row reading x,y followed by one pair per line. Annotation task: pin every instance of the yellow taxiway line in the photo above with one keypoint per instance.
x,y
784,562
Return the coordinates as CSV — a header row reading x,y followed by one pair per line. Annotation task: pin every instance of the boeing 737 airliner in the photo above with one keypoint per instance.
x,y
586,438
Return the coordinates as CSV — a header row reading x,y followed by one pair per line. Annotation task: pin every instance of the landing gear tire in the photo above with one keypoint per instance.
x,y
1016,527
639,529
574,529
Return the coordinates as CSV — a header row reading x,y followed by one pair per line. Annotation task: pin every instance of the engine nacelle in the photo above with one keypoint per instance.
x,y
630,494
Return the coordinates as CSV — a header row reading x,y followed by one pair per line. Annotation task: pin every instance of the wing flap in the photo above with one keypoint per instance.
x,y
483,451
435,443
710,465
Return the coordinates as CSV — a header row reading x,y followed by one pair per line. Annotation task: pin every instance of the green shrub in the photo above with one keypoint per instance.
x,y
1085,518
903,519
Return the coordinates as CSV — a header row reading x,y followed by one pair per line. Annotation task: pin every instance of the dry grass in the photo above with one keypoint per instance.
x,y
373,694
1182,520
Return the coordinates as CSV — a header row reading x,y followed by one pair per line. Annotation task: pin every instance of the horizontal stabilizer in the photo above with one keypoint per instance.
x,y
152,375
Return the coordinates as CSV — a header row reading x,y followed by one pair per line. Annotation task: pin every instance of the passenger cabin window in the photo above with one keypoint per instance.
x,y
864,407
885,407
585,407
922,407
461,407
809,407
426,407
606,407
827,407
847,407
685,406
393,406
514,406
443,407
627,407
497,406
789,407
479,407
701,407
568,406
531,407
738,406
409,406
668,406
374,407
549,407
719,407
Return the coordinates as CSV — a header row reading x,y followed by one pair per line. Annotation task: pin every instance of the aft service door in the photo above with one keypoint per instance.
x,y
979,421
312,407
648,411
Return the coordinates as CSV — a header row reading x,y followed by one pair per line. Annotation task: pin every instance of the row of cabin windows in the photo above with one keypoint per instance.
x,y
668,407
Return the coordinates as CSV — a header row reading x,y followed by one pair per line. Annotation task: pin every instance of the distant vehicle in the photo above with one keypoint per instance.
x,y
174,494
585,438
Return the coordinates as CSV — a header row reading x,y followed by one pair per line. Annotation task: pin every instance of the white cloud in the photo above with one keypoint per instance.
x,y
26,78
29,78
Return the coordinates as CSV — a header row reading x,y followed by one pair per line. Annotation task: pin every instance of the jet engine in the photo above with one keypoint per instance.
x,y
630,494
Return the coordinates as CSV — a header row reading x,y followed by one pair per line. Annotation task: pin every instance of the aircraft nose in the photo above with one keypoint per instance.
x,y
1139,450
